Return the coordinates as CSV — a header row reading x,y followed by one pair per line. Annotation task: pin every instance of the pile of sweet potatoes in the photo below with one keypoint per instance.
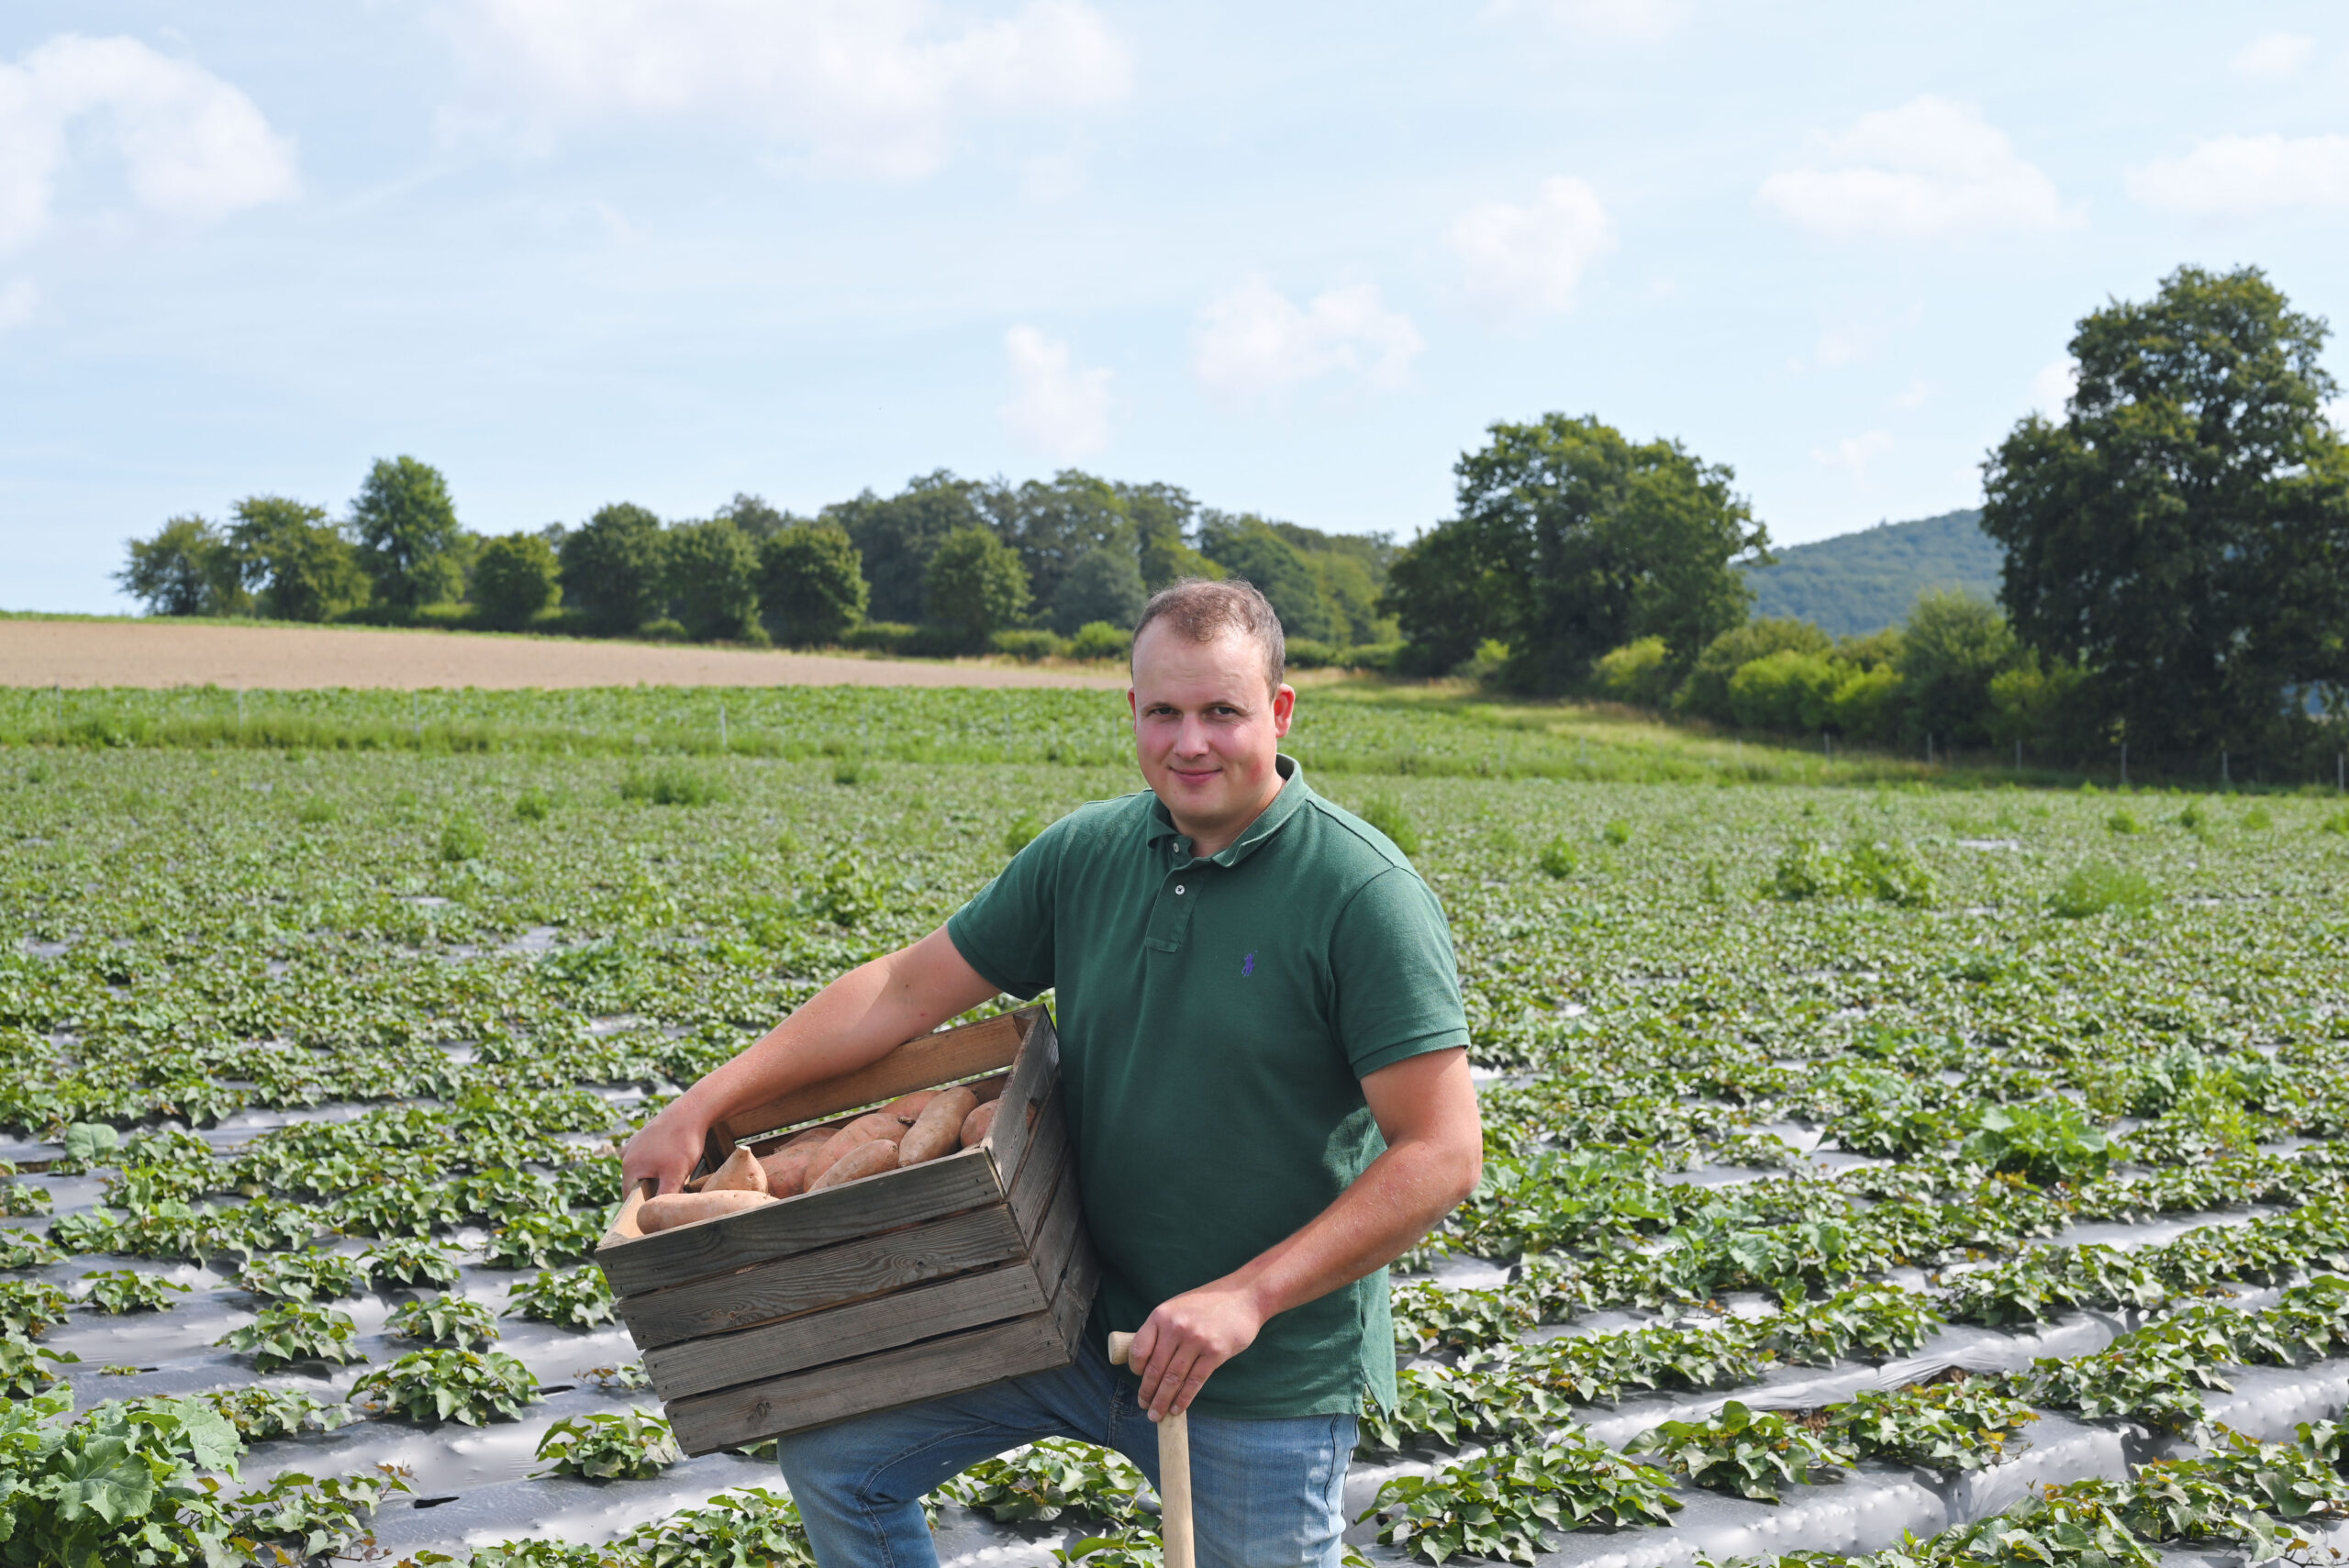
x,y
926,1124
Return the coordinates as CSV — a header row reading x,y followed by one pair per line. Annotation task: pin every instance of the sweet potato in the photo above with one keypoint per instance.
x,y
863,1130
672,1209
978,1124
868,1158
935,1133
740,1172
907,1109
787,1169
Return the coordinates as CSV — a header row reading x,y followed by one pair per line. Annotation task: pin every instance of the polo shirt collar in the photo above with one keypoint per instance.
x,y
1293,793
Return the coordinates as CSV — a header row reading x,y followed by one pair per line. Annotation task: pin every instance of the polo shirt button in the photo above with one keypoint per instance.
x,y
1178,890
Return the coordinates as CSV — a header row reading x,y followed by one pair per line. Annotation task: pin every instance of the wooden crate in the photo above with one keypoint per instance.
x,y
918,1281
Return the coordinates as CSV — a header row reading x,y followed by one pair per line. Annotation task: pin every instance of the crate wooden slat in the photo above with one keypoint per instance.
x,y
903,1287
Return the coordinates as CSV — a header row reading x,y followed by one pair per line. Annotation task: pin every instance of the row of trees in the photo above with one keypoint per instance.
x,y
947,564
2177,573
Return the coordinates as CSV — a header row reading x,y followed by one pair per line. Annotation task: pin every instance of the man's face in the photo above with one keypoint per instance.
x,y
1206,726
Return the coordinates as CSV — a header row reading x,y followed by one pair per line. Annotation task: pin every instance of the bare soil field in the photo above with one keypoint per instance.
x,y
81,653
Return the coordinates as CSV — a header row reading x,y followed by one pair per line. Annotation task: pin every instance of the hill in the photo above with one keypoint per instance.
x,y
1855,584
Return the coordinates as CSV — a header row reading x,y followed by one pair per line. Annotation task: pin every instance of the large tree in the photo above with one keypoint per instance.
x,y
298,565
1247,546
515,578
897,537
710,574
1573,540
408,538
187,569
611,568
811,584
976,587
2182,534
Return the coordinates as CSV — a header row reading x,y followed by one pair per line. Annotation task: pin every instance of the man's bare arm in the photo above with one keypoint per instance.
x,y
1426,1106
851,1023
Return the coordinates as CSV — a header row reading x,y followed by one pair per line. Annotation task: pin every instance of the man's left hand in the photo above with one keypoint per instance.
x,y
1188,1337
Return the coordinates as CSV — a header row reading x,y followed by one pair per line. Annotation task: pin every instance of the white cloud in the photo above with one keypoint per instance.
x,y
2052,388
192,146
1525,259
1913,396
2235,176
2274,56
1632,21
1056,407
1854,452
1930,167
879,86
1253,340
18,298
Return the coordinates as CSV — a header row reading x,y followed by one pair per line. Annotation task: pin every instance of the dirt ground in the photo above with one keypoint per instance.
x,y
81,653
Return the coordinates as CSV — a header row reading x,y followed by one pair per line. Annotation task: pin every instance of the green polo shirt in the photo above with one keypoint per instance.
x,y
1216,1018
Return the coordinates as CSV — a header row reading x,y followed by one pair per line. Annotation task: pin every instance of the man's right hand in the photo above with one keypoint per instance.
x,y
665,1150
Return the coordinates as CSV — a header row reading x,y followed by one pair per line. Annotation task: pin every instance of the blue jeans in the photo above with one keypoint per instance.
x,y
1264,1493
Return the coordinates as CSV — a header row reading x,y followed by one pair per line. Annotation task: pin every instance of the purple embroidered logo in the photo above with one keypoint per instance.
x,y
1248,966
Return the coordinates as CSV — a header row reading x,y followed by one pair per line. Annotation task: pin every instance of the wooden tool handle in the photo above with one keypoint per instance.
x,y
624,1224
1174,1475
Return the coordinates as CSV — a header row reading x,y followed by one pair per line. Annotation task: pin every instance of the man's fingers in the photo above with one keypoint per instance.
x,y
1196,1380
1160,1399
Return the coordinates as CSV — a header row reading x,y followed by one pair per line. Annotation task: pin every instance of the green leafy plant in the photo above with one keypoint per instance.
x,y
2045,1143
411,1262
1431,1316
462,838
2102,888
747,1527
1558,858
31,1307
543,1240
534,805
1878,1321
302,1276
283,1336
453,1320
1045,1480
432,1386
1618,831
1384,812
1747,1453
126,1290
1505,1504
670,783
26,1369
573,1298
1968,1424
23,1250
608,1446
261,1413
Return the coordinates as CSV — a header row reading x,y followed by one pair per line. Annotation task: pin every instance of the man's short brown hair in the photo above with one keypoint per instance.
x,y
1203,609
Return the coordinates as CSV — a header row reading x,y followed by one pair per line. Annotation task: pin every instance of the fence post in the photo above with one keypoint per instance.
x,y
2124,764
721,728
2018,753
2226,780
240,707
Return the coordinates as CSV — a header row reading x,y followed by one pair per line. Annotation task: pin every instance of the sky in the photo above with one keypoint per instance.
x,y
1293,258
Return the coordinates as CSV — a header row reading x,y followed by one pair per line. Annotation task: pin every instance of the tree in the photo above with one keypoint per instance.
x,y
300,565
515,578
755,517
976,586
611,568
1162,516
710,574
1572,541
1053,526
2182,535
1104,584
811,584
408,539
187,569
896,538
1705,691
1954,646
1246,546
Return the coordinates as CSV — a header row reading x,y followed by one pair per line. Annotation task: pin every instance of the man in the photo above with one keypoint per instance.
x,y
1263,1060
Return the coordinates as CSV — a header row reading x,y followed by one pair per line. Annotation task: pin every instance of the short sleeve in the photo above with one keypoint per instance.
x,y
1008,931
1397,988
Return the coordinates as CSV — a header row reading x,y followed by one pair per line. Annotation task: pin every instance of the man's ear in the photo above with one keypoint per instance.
x,y
1284,708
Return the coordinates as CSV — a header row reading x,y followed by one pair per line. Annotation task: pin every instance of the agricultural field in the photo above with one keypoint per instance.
x,y
1864,1161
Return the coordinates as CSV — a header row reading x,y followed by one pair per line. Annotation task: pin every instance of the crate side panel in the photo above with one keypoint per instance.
x,y
895,1198
706,1422
1033,1076
832,1276
1031,1187
884,1322
1055,1239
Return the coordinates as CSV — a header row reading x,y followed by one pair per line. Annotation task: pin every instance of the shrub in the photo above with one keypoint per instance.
x,y
1022,831
2100,888
1384,812
1029,645
2123,820
607,1446
432,1386
1787,690
663,629
513,577
1638,672
127,1290
1308,653
670,783
317,810
1098,640
461,839
881,636
1559,859
533,806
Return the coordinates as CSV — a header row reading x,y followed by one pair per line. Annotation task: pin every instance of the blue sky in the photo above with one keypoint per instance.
x,y
1293,258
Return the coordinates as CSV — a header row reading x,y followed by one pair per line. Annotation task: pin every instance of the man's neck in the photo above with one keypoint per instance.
x,y
1214,841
